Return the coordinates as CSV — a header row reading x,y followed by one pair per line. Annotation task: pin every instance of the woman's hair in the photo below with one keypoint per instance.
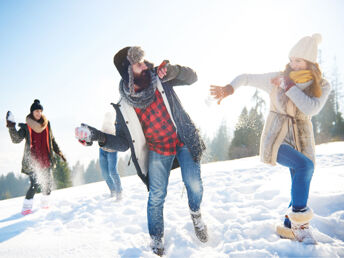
x,y
315,88
41,120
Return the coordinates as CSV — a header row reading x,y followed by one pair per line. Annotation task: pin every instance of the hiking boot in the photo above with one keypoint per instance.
x,y
199,226
157,246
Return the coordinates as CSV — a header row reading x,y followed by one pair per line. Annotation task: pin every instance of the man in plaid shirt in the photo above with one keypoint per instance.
x,y
160,133
153,124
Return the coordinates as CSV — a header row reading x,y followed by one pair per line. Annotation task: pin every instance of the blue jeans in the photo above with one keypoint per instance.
x,y
301,171
108,165
159,167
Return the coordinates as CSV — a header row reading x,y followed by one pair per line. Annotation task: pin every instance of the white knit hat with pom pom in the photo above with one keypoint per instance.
x,y
307,48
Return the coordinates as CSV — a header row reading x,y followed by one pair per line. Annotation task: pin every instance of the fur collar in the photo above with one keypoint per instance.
x,y
37,126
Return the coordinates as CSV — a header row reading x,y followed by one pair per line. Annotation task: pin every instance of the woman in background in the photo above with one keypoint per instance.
x,y
38,157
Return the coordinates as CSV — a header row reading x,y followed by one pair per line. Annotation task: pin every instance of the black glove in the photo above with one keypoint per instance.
x,y
87,135
10,120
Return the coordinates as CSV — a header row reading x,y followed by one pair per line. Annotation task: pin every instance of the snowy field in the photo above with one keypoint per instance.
x,y
243,201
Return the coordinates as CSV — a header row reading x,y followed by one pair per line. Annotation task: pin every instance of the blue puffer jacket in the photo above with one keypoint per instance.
x,y
186,129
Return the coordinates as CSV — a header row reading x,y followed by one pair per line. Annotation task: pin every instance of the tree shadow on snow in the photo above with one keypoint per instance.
x,y
15,229
13,217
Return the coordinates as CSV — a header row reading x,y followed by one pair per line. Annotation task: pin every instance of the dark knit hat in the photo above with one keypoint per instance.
x,y
124,59
36,105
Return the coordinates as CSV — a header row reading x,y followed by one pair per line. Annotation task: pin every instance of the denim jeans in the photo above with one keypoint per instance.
x,y
159,167
301,171
108,165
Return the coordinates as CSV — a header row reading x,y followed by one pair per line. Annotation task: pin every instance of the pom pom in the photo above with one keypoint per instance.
x,y
317,37
36,101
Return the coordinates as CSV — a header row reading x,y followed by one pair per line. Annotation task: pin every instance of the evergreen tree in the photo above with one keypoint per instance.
x,y
337,86
256,124
78,174
239,145
207,155
339,128
326,121
12,186
219,146
93,172
248,130
259,102
62,174
327,124
125,166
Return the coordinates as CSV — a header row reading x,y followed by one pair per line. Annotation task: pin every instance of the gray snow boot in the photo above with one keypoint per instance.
x,y
200,228
157,246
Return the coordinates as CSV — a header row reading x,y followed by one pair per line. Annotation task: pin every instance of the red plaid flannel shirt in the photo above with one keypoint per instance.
x,y
158,128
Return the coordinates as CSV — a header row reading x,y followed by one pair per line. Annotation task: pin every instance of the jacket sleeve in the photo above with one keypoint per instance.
x,y
179,75
17,136
116,142
54,143
260,81
309,105
55,146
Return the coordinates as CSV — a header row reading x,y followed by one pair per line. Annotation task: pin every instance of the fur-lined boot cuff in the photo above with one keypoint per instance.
x,y
301,217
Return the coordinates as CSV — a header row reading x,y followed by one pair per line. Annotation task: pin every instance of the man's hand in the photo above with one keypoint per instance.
x,y
87,135
219,92
10,122
162,69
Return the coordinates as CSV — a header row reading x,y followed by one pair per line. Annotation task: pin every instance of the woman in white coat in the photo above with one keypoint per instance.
x,y
296,94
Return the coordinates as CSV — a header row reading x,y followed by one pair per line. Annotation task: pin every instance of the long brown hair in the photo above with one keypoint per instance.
x,y
315,88
41,120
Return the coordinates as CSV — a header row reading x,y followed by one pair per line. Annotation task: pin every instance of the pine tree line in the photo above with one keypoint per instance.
x,y
64,176
328,125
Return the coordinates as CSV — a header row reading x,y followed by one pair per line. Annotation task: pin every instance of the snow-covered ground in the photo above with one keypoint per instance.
x,y
243,200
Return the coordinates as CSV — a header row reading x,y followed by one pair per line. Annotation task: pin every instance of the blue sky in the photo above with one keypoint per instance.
x,y
61,53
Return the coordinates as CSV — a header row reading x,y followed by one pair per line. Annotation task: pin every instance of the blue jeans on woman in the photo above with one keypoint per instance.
x,y
108,165
301,171
159,167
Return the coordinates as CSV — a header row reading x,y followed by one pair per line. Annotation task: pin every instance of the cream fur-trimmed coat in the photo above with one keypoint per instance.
x,y
290,112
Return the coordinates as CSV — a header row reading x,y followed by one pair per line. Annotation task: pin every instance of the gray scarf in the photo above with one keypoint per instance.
x,y
140,99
